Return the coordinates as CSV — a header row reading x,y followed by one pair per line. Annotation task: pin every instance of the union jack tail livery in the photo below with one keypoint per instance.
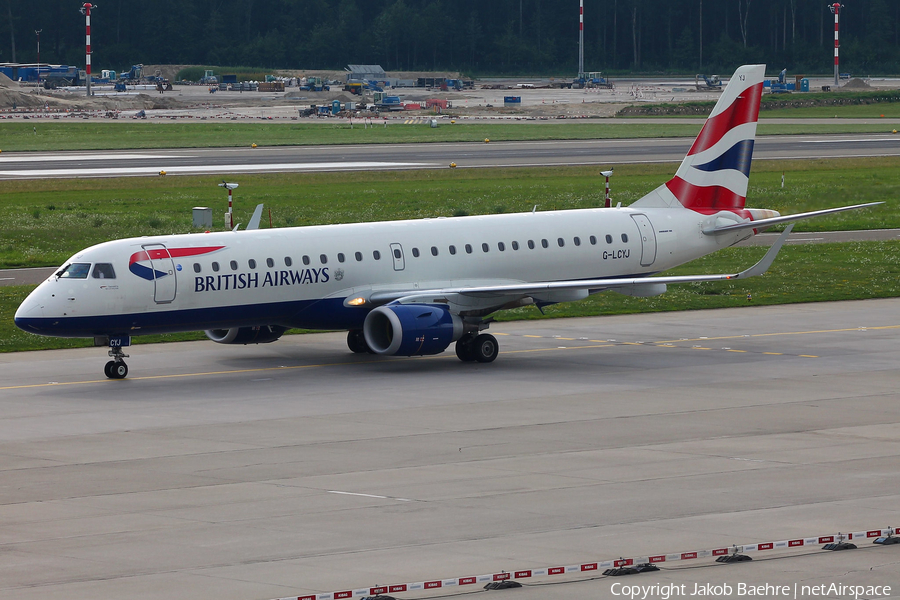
x,y
713,177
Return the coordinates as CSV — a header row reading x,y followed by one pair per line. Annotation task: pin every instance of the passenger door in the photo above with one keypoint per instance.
x,y
163,267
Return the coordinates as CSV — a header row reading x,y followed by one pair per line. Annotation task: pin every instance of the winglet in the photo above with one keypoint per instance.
x,y
254,220
763,265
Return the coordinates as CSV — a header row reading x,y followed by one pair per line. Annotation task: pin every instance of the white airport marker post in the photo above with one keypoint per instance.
x,y
228,216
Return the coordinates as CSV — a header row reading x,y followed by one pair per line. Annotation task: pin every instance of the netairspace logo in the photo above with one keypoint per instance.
x,y
709,590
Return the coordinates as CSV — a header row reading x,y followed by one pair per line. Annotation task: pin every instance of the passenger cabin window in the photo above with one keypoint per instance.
x,y
501,246
453,250
323,259
434,251
270,262
234,265
485,247
215,267
515,245
545,243
416,252
287,261
340,257
104,271
625,237
397,254
305,259
358,256
376,255
561,242
196,267
75,271
468,248
531,244
593,240
252,263
577,241
608,239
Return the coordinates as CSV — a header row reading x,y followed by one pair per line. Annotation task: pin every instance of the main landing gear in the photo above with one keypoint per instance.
x,y
481,348
116,368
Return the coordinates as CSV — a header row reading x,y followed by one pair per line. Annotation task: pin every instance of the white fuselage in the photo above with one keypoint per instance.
x,y
301,277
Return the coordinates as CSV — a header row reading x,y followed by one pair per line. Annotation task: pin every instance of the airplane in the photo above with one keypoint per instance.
x,y
413,287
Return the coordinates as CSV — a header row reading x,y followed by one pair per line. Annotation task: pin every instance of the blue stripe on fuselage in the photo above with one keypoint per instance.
x,y
307,314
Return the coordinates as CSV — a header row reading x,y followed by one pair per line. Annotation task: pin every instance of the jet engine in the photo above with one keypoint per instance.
x,y
411,329
246,335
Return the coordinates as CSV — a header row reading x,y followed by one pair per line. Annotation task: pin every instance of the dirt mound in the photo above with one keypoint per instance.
x,y
856,84
5,81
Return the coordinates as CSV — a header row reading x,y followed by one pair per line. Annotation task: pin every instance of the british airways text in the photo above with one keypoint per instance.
x,y
243,281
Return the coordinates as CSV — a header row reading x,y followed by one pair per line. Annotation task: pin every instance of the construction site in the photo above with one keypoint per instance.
x,y
152,92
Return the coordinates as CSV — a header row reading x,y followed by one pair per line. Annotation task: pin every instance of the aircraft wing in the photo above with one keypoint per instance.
x,y
763,223
651,284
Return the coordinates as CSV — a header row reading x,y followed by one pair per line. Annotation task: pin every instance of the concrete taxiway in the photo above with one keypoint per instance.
x,y
257,472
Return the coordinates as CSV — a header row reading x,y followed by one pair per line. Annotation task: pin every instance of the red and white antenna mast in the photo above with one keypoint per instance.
x,y
836,10
580,38
86,11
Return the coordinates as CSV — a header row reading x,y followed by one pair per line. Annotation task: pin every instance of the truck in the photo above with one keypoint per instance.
x,y
314,84
594,79
383,102
209,78
56,76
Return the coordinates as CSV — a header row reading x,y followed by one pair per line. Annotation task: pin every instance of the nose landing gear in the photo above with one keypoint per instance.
x,y
116,368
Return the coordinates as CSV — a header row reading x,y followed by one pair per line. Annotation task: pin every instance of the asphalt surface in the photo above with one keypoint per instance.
x,y
257,472
230,161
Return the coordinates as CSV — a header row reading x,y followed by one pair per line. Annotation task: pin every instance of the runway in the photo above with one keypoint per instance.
x,y
27,165
293,468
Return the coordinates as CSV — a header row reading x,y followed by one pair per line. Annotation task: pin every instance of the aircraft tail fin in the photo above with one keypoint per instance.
x,y
715,173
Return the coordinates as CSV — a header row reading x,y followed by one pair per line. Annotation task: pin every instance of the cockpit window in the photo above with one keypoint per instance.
x,y
103,271
75,271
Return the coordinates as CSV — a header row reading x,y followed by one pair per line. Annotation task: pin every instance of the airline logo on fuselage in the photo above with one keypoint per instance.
x,y
146,264
244,281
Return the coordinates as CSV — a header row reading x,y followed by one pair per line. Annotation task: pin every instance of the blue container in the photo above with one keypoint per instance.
x,y
512,99
804,85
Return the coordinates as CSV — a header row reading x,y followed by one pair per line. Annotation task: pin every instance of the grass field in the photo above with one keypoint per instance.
x,y
128,134
45,222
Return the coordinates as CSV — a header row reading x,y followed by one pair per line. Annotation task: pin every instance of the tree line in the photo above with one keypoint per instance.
x,y
472,36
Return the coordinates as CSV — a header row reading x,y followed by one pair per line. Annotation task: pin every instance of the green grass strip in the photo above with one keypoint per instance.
x,y
47,136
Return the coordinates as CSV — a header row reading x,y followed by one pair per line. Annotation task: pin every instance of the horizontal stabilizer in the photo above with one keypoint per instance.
x,y
764,223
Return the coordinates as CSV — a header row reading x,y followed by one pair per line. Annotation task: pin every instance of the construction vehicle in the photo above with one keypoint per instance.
x,y
711,82
594,79
62,76
386,103
208,78
314,84
133,75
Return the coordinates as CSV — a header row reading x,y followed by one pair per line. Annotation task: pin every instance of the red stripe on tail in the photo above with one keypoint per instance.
x,y
745,109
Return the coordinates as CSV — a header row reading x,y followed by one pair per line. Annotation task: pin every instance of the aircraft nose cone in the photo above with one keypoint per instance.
x,y
31,308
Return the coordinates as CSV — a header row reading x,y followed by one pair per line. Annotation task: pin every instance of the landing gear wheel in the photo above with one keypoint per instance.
x,y
116,369
464,348
485,348
356,341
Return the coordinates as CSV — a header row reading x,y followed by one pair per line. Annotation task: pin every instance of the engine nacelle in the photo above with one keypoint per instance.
x,y
246,335
411,329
